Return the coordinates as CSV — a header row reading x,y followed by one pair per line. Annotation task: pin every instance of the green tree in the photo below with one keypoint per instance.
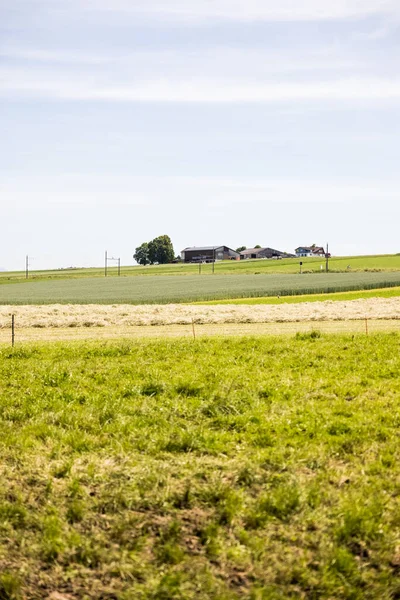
x,y
161,250
258,246
241,248
142,254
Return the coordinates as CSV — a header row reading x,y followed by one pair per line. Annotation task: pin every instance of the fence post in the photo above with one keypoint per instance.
x,y
194,331
12,330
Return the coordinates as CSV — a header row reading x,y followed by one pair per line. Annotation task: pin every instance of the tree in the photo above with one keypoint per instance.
x,y
258,246
241,248
142,254
161,250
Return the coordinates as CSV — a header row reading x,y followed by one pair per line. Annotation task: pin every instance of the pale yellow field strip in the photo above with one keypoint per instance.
x,y
98,316
32,334
84,322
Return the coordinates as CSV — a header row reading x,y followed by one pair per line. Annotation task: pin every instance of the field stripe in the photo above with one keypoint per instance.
x,y
178,289
393,292
220,329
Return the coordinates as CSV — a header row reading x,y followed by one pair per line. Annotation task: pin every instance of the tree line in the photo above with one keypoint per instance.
x,y
160,251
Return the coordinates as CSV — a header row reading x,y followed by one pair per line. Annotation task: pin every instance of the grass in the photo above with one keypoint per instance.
x,y
256,468
333,296
389,262
170,289
68,334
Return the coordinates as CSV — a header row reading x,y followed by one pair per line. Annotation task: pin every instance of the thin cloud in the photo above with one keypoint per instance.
x,y
217,60
205,10
89,190
21,83
266,10
41,55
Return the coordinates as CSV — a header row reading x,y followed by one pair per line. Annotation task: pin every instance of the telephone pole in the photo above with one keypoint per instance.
x,y
327,258
106,260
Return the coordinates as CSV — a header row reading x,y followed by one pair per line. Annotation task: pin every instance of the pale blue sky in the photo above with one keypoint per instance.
x,y
213,121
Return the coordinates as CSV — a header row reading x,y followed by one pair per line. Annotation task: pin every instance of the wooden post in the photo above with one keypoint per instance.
x,y
366,326
12,330
194,331
105,264
119,267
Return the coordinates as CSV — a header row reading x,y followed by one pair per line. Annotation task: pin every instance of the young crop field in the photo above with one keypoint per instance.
x,y
227,469
168,289
333,296
390,262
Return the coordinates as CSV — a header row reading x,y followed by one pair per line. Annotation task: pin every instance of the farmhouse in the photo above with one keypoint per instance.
x,y
208,254
263,253
310,251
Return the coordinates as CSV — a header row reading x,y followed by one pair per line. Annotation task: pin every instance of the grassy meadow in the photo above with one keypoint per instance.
x,y
176,289
390,262
242,468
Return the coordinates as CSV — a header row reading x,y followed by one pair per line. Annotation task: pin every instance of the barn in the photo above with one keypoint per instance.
x,y
198,254
252,253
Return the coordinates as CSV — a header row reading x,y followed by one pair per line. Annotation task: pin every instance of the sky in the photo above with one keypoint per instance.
x,y
211,121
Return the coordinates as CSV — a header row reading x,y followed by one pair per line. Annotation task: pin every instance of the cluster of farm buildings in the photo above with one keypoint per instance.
x,y
213,253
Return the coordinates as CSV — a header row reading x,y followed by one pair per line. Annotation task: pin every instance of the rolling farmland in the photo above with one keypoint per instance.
x,y
390,262
176,289
187,467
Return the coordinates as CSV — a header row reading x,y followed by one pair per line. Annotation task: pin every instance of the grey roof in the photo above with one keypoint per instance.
x,y
258,250
311,248
252,250
203,248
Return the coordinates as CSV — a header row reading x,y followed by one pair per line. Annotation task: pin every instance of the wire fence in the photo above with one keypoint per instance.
x,y
12,335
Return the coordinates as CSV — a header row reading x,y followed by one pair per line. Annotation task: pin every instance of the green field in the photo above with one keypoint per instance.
x,y
255,469
390,262
167,289
335,297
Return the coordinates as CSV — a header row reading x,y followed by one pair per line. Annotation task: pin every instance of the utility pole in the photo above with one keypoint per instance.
x,y
327,258
26,267
106,260
213,269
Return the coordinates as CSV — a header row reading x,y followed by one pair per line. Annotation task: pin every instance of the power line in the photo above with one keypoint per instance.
x,y
107,259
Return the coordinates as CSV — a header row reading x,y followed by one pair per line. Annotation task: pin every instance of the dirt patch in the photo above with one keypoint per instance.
x,y
97,316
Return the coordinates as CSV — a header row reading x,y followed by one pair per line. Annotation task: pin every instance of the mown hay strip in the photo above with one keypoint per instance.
x,y
99,316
